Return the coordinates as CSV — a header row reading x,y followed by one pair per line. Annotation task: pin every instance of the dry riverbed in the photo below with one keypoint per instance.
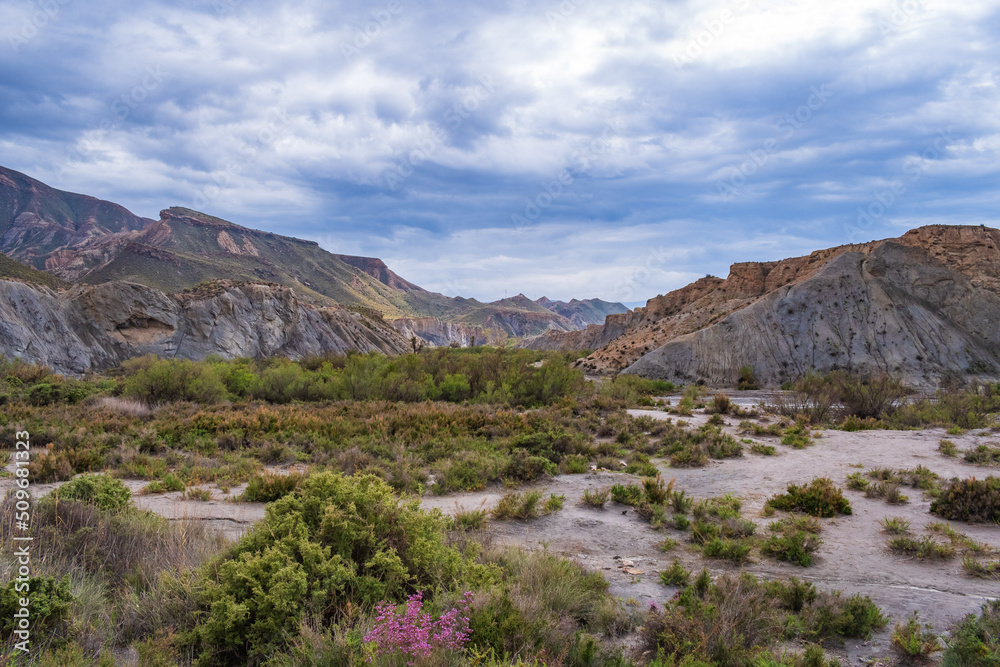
x,y
618,543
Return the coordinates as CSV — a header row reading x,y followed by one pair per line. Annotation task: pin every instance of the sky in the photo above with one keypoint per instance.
x,y
566,148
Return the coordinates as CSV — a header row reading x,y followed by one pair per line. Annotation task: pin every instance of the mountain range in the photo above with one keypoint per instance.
x,y
85,284
86,241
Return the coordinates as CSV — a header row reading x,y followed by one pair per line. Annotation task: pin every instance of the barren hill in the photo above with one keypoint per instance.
x,y
920,305
93,327
88,241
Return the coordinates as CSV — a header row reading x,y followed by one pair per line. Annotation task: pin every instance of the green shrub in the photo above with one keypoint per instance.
x,y
631,494
895,525
819,498
49,606
970,500
106,493
923,548
596,497
737,551
675,575
269,487
948,448
169,483
524,506
911,640
337,540
975,641
165,380
793,546
747,379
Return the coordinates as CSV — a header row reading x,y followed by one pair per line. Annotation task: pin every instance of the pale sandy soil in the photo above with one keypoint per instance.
x,y
853,557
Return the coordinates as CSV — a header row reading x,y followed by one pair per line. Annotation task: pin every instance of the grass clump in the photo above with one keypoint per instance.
x,y
820,498
913,640
477,519
793,540
895,525
739,620
735,550
763,450
269,487
923,548
970,500
526,506
105,493
596,497
169,483
675,575
975,568
948,448
983,455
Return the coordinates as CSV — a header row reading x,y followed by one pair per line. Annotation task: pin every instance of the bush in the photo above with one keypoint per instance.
x,y
970,500
106,493
336,541
793,546
50,603
675,575
525,506
163,380
596,497
269,487
819,498
631,494
975,641
735,550
913,641
747,379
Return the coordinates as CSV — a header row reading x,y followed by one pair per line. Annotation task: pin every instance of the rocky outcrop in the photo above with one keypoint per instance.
x,y
970,252
438,333
583,312
90,328
891,306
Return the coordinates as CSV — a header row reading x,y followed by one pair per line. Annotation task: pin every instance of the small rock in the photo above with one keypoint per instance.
x,y
627,563
632,571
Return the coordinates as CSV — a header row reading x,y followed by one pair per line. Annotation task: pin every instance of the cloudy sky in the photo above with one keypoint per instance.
x,y
569,148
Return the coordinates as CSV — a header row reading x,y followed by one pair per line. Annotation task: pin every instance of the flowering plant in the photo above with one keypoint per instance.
x,y
413,633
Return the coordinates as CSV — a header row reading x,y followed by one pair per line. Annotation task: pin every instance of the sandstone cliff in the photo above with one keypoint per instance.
x,y
966,255
95,327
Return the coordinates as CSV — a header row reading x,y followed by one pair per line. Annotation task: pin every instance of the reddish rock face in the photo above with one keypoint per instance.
x,y
972,254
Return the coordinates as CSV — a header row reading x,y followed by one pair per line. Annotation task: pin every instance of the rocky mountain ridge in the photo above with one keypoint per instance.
x,y
94,327
80,239
710,328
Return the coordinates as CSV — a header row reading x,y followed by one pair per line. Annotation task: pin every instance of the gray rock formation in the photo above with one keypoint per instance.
x,y
895,309
439,333
95,327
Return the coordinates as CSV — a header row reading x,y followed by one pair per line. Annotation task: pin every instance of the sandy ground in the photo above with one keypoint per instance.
x,y
853,557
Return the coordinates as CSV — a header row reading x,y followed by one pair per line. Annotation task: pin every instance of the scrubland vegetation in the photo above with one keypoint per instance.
x,y
347,569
